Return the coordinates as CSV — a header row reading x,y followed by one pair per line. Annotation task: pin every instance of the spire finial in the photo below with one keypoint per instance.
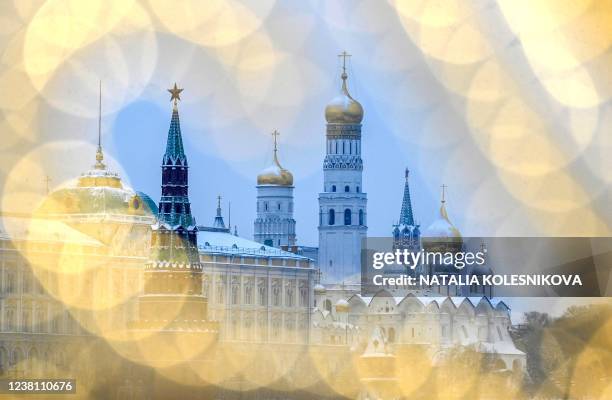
x,y
275,134
406,214
175,95
344,75
219,223
47,181
99,154
443,193
344,56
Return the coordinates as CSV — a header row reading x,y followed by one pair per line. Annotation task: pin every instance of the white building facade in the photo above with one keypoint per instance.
x,y
257,293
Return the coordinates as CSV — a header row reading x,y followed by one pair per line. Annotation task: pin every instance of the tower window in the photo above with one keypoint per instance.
x,y
347,217
360,217
333,188
332,217
391,335
265,206
279,206
357,189
347,188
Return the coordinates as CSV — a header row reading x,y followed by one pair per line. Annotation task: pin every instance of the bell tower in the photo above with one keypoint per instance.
x,y
342,203
274,225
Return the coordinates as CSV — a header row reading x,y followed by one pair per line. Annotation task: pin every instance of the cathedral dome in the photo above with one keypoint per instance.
x,y
442,229
343,109
342,306
275,174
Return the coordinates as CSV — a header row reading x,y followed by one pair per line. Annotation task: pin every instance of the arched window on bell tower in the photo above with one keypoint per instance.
x,y
347,217
332,217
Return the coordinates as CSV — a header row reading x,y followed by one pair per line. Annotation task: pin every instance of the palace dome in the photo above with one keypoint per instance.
x,y
98,191
343,109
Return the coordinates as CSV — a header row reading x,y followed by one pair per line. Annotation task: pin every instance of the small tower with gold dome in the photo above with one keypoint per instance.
x,y
442,237
274,225
342,204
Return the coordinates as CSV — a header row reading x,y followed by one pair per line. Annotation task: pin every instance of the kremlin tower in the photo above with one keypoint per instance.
x,y
406,234
274,225
342,204
173,296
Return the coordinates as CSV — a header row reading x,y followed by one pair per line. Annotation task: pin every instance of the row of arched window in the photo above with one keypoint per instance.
x,y
29,285
271,207
33,364
348,217
178,208
344,147
174,175
41,325
262,296
347,189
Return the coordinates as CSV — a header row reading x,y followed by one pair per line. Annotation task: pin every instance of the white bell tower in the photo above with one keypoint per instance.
x,y
274,225
342,204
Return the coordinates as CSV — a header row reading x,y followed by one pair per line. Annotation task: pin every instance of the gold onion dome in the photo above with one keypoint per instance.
x,y
342,306
442,228
343,109
275,174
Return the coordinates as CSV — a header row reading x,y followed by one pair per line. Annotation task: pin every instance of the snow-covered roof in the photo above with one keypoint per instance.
x,y
426,300
42,230
503,347
225,243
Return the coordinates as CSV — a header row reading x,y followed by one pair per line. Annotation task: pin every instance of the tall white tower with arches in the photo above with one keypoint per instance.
x,y
342,204
274,225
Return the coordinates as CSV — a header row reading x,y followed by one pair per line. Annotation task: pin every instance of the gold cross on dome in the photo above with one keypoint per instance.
x,y
175,93
344,56
275,134
443,192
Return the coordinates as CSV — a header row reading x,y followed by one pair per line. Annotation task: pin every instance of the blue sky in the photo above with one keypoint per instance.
x,y
456,95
